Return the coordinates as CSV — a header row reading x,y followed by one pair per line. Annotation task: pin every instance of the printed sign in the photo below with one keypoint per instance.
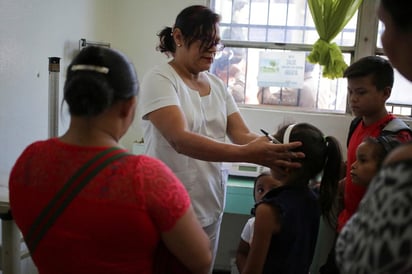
x,y
281,69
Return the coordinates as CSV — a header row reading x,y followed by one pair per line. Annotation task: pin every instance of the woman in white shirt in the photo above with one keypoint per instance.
x,y
188,115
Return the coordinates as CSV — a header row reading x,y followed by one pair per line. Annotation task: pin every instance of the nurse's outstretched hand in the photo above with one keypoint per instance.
x,y
266,153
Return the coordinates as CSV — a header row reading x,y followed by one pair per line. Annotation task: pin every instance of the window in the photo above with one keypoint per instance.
x,y
253,29
399,102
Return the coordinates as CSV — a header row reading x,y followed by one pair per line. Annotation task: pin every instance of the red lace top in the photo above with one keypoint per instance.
x,y
113,225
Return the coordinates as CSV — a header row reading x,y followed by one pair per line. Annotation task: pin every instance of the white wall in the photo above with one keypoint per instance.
x,y
33,30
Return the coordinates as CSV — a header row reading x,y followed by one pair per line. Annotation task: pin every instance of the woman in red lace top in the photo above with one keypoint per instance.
x,y
117,221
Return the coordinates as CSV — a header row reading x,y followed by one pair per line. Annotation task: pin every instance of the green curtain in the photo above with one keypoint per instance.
x,y
330,17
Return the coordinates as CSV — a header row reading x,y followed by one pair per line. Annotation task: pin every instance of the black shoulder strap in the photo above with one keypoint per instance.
x,y
353,124
67,193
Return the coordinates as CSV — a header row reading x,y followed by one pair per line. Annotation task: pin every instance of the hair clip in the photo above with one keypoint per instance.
x,y
98,69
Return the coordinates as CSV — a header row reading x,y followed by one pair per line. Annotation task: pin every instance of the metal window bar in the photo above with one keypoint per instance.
x,y
393,106
287,29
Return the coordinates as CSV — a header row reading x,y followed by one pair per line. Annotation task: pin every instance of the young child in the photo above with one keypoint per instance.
x,y
369,157
262,184
287,217
380,231
370,82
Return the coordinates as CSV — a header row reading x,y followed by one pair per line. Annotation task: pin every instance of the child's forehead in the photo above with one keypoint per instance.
x,y
367,147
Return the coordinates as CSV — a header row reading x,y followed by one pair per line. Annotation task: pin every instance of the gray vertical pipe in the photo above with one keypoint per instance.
x,y
54,71
10,248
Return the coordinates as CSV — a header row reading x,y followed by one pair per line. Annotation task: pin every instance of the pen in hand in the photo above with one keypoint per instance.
x,y
270,137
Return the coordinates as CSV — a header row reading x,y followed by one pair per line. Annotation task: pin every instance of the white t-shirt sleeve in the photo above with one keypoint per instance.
x,y
247,232
158,90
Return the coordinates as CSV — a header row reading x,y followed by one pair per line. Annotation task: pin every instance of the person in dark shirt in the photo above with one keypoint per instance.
x,y
287,217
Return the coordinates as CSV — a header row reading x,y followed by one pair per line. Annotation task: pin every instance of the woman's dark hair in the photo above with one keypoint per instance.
x,y
196,22
97,78
400,11
322,154
383,145
380,69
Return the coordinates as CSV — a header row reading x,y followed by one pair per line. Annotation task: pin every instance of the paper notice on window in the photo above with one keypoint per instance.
x,y
281,69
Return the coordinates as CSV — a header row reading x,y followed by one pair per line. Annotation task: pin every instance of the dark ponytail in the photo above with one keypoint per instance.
x,y
167,44
330,178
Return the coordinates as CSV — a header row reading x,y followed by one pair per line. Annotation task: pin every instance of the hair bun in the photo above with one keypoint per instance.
x,y
118,71
96,78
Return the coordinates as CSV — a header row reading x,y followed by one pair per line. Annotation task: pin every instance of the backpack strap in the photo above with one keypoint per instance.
x,y
67,193
353,124
394,126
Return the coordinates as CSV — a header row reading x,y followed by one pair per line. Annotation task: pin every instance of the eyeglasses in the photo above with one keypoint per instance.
x,y
219,46
216,44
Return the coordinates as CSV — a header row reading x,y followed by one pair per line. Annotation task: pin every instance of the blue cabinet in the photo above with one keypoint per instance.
x,y
239,195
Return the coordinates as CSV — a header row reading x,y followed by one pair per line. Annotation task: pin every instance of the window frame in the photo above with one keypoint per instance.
x,y
365,40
